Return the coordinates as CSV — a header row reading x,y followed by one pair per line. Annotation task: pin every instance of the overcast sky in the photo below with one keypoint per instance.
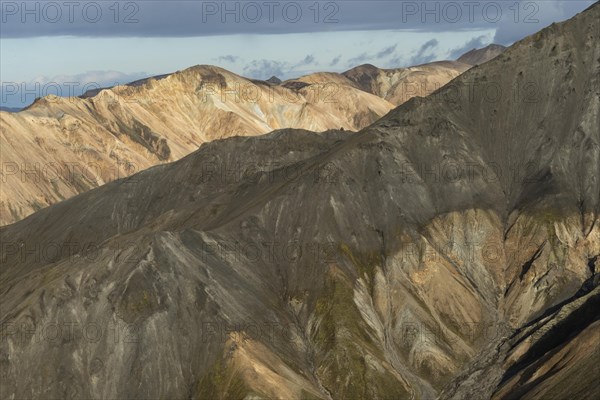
x,y
100,43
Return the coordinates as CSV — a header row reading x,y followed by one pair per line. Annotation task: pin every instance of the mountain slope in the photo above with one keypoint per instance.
x,y
59,147
394,85
400,85
448,249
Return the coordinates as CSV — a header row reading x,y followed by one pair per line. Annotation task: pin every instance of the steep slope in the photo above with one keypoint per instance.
x,y
59,147
480,56
448,249
553,357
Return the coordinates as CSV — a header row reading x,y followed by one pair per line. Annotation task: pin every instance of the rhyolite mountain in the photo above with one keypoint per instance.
x,y
396,85
448,250
399,85
59,147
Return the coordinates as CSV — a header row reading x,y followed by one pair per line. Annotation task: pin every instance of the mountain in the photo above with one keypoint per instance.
x,y
93,92
480,56
274,80
401,84
448,250
59,147
396,85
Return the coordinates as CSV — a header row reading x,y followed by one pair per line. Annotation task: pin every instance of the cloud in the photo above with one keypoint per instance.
x,y
307,61
395,62
358,60
387,51
365,57
475,43
264,69
228,58
534,16
425,53
207,18
335,61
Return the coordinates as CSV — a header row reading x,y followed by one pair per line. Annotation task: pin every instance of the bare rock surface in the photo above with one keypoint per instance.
x,y
448,250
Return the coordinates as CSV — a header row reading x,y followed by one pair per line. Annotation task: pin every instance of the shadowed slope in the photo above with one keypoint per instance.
x,y
388,263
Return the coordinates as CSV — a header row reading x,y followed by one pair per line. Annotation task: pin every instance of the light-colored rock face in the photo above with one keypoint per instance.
x,y
60,147
402,84
394,85
425,256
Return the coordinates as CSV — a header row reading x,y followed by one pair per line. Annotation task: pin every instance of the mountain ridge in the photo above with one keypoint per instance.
x,y
384,272
69,145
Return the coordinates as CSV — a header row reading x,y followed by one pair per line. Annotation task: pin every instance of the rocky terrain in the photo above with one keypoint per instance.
x,y
59,147
448,250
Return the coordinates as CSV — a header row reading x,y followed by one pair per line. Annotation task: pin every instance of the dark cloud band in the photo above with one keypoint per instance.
x,y
511,19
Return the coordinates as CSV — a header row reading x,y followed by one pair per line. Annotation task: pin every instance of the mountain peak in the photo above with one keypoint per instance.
x,y
450,250
274,80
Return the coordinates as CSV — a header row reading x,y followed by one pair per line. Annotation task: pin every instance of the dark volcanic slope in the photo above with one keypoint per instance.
x,y
449,249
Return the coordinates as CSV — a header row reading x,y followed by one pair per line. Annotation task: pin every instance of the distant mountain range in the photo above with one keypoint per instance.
x,y
10,109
